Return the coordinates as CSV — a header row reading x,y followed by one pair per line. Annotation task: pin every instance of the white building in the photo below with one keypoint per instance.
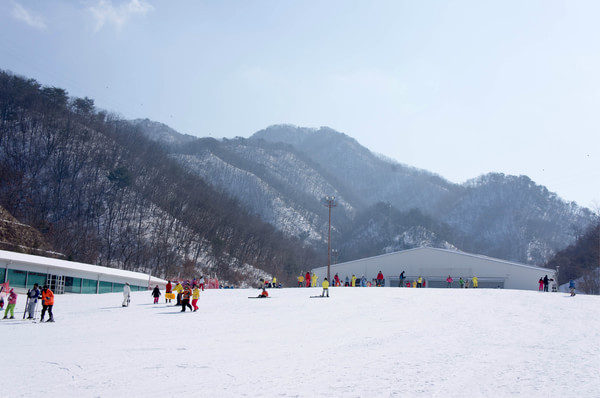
x,y
435,265
23,270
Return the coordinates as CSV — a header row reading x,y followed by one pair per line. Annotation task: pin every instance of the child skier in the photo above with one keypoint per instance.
x,y
12,301
325,285
156,294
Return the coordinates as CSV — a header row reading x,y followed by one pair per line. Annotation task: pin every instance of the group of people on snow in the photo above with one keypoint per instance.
x,y
545,282
33,295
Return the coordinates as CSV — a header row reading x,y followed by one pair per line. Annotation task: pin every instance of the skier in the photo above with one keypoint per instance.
x,y
195,297
337,280
461,282
363,281
475,281
156,294
546,282
32,298
420,281
126,293
571,287
168,292
314,279
300,280
449,280
201,282
263,294
12,301
47,303
185,298
325,285
401,278
380,281
178,288
353,280
307,279
541,283
347,283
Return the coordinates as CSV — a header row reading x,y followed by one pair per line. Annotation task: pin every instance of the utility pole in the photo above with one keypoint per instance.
x,y
329,202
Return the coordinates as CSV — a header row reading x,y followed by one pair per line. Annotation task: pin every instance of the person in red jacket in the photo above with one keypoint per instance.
x,y
336,278
47,303
379,279
307,279
168,292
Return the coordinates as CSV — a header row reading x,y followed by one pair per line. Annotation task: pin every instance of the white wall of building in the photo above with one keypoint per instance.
x,y
437,264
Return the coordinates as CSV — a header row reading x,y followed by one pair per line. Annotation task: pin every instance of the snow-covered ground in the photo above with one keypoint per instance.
x,y
361,342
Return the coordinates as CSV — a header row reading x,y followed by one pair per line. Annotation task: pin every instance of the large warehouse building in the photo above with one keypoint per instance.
x,y
434,266
21,271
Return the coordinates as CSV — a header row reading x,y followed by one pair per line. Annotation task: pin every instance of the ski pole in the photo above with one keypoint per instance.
x,y
26,304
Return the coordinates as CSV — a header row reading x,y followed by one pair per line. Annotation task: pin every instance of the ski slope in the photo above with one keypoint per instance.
x,y
361,342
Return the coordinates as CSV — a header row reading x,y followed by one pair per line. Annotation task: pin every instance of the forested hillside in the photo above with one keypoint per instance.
x,y
283,172
581,261
101,192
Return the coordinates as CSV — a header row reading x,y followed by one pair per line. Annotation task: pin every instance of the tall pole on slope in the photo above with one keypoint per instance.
x,y
329,202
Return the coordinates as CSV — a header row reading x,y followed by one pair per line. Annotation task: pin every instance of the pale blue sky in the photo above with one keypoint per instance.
x,y
459,88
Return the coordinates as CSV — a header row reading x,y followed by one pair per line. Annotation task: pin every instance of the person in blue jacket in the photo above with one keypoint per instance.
x,y
33,295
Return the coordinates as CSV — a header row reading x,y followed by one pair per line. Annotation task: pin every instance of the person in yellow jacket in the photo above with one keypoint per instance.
x,y
475,281
274,282
300,280
178,288
414,283
353,280
195,297
420,281
325,285
314,280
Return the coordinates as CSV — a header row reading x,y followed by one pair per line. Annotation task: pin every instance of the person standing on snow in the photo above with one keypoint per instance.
x,y
379,280
353,280
541,284
336,278
186,293
475,281
300,280
47,303
195,297
156,294
178,288
546,282
307,279
10,307
325,285
126,294
201,282
314,279
32,298
449,280
168,292
401,278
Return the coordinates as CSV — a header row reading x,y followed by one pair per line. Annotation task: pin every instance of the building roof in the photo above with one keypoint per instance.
x,y
14,257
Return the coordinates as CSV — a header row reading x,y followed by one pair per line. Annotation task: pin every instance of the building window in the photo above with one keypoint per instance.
x,y
105,287
17,278
72,285
88,286
35,277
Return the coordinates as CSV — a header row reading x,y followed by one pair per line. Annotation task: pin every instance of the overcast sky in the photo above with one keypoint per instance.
x,y
459,88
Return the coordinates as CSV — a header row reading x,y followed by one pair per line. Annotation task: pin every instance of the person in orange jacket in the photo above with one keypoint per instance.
x,y
185,298
47,303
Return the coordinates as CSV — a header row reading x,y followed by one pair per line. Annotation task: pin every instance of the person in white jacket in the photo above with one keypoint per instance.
x,y
126,292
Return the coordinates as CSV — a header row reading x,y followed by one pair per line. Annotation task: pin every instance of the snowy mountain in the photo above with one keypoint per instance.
x,y
283,172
